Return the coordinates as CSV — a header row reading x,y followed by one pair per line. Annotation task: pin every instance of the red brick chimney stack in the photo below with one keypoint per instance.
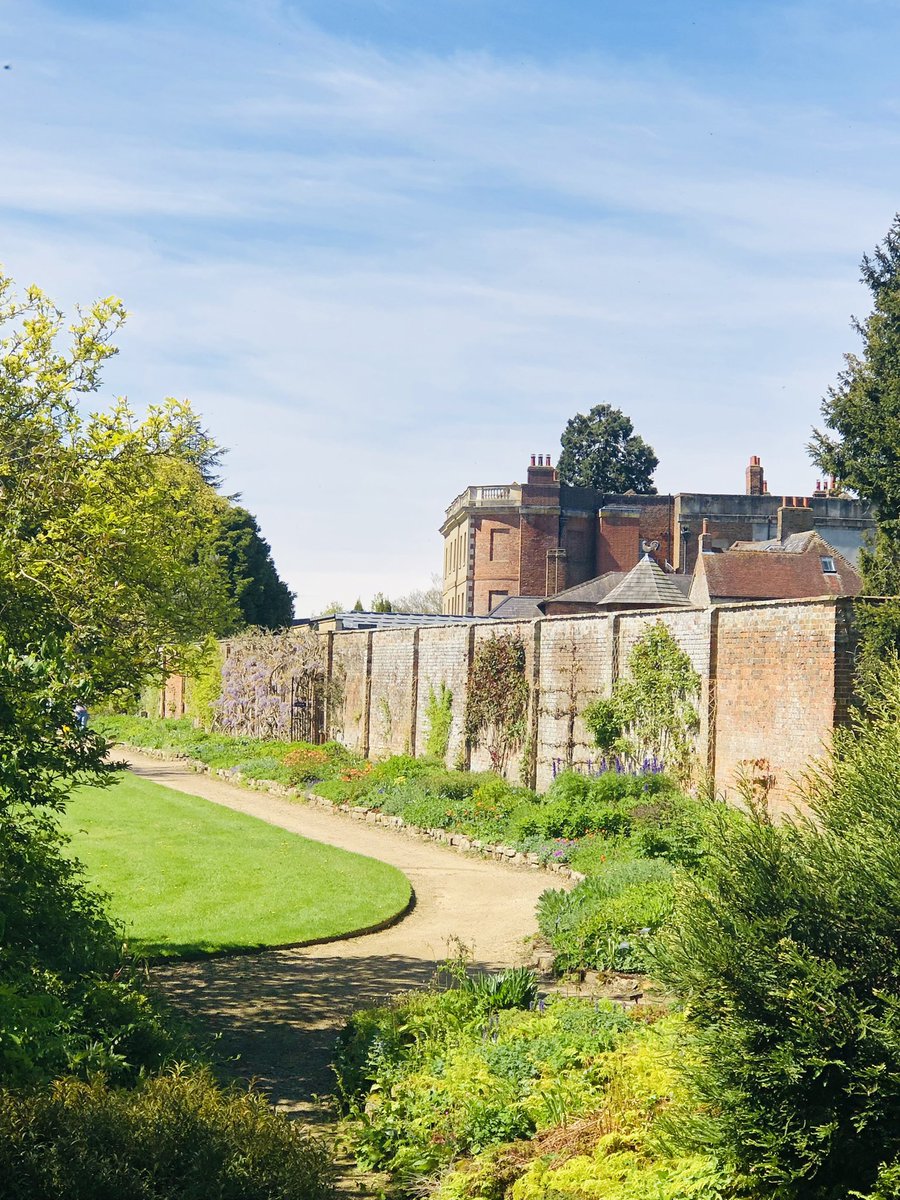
x,y
704,542
756,482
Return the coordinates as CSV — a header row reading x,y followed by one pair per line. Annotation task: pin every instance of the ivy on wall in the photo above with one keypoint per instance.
x,y
652,713
497,700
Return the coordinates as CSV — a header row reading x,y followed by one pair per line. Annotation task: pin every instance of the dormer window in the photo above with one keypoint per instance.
x,y
828,564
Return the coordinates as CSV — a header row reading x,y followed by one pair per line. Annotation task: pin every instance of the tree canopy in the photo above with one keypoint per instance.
x,y
601,450
862,411
262,597
108,566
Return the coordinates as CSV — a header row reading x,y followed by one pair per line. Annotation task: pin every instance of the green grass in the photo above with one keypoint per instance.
x,y
187,877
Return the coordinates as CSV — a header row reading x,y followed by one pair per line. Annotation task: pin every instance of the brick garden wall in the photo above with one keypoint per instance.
x,y
444,658
782,682
776,679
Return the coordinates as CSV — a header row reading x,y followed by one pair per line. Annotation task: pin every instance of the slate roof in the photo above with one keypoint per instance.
x,y
592,591
367,620
648,586
518,608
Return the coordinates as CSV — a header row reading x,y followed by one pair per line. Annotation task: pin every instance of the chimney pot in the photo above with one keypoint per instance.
x,y
540,460
547,457
706,524
533,458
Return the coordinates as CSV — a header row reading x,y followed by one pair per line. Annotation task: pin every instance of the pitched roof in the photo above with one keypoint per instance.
x,y
648,586
595,591
776,575
518,608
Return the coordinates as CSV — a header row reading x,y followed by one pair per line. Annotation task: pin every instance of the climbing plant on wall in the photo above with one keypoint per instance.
x,y
653,712
497,700
439,716
274,686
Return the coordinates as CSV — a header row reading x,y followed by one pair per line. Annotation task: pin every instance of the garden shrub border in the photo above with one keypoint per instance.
x,y
453,841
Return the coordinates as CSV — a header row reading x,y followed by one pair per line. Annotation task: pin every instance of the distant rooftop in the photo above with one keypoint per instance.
x,y
343,621
517,608
647,585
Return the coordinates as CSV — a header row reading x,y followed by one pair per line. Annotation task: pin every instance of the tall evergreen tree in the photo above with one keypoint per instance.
x,y
601,450
262,597
863,412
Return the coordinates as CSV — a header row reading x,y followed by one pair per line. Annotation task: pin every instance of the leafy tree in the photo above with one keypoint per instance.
x,y
108,570
335,606
422,600
601,450
109,575
863,413
263,598
357,607
381,604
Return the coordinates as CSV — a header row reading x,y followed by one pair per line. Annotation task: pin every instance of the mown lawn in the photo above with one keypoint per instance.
x,y
188,877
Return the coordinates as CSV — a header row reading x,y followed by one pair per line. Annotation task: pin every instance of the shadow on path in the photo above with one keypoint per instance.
x,y
275,1015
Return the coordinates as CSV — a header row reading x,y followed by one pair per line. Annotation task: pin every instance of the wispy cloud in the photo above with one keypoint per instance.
x,y
384,274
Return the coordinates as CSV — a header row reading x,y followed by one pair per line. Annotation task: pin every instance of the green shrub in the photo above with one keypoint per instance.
x,y
174,1137
434,1075
203,689
614,1152
606,921
515,987
786,952
439,716
68,1001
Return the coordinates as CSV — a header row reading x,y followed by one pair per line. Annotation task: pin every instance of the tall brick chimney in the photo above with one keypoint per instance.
x,y
756,482
704,542
541,472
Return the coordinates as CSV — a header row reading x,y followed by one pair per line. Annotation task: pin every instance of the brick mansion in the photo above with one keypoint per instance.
x,y
543,537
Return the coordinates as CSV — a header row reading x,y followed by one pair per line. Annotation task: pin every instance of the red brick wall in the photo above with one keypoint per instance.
x,y
618,540
480,760
391,692
495,574
579,541
777,691
348,715
576,663
539,532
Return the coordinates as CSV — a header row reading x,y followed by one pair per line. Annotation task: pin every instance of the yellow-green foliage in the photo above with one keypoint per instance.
x,y
614,1154
435,1076
616,1171
203,688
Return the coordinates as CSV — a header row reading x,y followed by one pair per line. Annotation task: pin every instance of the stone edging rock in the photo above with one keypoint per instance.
x,y
453,841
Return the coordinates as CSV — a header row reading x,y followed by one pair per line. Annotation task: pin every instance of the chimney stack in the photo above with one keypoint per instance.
x,y
704,542
756,482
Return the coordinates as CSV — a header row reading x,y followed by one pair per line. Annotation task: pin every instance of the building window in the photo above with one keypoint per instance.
x,y
828,565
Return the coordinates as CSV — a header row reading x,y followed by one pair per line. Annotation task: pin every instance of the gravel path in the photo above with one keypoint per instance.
x,y
276,1013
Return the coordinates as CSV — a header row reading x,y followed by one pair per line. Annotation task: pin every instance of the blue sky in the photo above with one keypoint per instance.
x,y
388,247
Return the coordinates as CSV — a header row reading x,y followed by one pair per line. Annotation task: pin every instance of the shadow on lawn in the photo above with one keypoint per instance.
x,y
275,1015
